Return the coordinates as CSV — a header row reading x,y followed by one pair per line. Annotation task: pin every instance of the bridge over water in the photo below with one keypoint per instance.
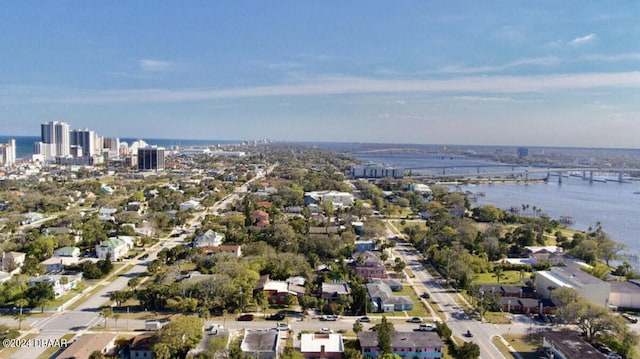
x,y
587,173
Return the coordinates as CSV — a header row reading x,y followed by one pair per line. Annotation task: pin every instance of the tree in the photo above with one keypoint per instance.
x,y
21,303
592,319
179,336
357,327
499,273
106,313
39,295
468,350
384,330
120,296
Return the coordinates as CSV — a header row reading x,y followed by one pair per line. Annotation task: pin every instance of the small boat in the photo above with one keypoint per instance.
x,y
636,192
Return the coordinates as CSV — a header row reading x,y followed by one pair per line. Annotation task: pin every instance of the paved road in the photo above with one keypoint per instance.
x,y
87,314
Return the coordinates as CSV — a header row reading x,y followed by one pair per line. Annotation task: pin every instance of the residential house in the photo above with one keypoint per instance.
x,y
106,214
57,264
588,287
260,218
11,261
411,345
140,347
369,265
332,291
232,249
137,206
568,345
190,204
277,290
114,247
263,344
60,286
516,291
106,190
89,343
365,245
326,346
31,218
210,238
338,199
57,231
384,301
73,252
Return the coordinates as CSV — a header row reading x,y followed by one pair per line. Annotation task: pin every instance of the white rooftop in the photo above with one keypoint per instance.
x,y
313,343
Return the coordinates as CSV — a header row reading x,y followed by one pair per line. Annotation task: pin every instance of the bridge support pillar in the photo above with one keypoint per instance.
x,y
526,176
478,170
559,177
620,176
590,176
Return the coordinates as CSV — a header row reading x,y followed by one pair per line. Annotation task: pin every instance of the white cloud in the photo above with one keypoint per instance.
x,y
486,86
155,65
535,61
583,40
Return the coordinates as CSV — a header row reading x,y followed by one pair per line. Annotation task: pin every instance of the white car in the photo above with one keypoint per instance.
x,y
325,331
414,320
283,327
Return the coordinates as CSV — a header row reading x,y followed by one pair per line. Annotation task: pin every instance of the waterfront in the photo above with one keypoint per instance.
x,y
614,205
24,144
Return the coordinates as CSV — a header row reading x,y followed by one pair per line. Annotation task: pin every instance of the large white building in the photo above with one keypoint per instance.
x,y
587,286
54,141
8,153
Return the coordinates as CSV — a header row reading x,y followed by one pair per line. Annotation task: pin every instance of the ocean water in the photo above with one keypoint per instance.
x,y
24,144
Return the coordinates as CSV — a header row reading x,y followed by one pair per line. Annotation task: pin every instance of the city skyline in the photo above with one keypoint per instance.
x,y
490,73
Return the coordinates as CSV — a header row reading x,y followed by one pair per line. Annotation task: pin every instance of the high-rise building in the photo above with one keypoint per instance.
x,y
55,137
151,158
8,153
86,139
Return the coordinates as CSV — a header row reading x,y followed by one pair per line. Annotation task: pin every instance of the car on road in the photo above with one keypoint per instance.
x,y
283,327
329,318
144,256
325,331
364,319
468,334
414,320
276,316
424,295
245,318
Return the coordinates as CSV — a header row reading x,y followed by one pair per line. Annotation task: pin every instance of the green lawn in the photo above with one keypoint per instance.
x,y
525,345
508,277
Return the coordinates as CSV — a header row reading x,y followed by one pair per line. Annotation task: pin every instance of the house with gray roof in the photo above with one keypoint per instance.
x,y
332,291
209,238
383,300
261,344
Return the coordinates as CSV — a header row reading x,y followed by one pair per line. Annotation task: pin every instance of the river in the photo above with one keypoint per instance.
x,y
614,205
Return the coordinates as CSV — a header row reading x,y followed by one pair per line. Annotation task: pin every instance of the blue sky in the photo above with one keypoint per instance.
x,y
536,73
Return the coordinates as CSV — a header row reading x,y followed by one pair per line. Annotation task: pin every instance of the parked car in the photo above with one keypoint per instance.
x,y
414,320
325,331
364,319
629,317
426,328
144,256
276,316
245,318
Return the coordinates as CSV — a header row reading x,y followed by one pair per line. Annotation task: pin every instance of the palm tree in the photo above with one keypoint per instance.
x,y
106,313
